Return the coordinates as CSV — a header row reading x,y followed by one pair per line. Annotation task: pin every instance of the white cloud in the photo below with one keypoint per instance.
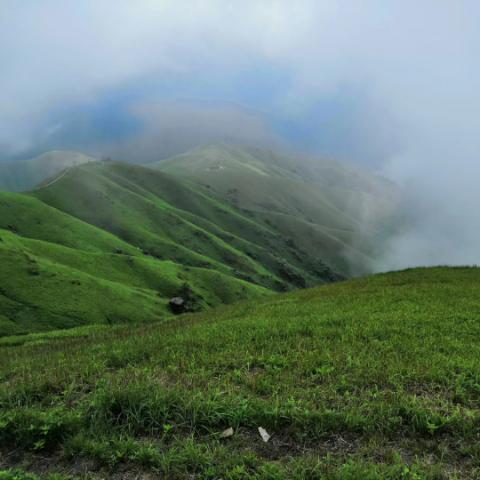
x,y
417,60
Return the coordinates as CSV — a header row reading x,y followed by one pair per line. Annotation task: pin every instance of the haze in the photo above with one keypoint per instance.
x,y
392,86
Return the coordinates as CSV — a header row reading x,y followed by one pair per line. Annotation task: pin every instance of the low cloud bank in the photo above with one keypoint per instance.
x,y
392,81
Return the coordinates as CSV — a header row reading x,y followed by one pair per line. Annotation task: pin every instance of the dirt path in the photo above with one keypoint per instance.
x,y
54,180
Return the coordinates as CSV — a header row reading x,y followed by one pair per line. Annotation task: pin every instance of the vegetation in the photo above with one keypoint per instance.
x,y
89,276
46,286
109,243
168,219
374,378
321,205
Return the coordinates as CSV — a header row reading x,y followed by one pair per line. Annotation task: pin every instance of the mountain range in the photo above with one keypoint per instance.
x,y
109,242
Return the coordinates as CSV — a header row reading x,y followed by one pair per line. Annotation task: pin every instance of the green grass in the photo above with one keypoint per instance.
x,y
44,286
106,242
169,219
320,204
30,218
374,378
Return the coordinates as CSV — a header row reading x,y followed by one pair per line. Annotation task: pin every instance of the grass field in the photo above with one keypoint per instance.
x,y
374,378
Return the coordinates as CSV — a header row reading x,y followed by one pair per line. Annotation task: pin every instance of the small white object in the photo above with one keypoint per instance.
x,y
227,433
264,434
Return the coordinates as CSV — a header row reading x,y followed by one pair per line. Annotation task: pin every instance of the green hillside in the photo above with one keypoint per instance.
x,y
22,175
328,211
107,242
168,219
374,378
44,286
323,206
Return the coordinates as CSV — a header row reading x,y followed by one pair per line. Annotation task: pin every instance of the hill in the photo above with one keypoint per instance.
x,y
107,242
322,205
325,209
374,378
25,174
170,219
59,272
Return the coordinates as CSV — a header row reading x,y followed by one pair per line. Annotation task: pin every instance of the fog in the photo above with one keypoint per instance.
x,y
389,85
170,128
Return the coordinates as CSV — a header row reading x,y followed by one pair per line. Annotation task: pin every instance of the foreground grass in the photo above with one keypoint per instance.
x,y
370,379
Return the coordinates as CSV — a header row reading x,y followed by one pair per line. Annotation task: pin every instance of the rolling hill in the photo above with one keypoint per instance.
x,y
374,378
59,272
23,175
109,242
326,208
106,242
169,219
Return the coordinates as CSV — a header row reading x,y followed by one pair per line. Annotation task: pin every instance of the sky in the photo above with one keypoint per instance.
x,y
390,85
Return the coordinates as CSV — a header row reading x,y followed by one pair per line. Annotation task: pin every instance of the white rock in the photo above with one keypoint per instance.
x,y
227,433
264,434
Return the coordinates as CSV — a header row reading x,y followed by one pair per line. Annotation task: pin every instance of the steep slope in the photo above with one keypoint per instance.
x,y
29,217
168,219
44,286
325,207
375,378
107,242
24,175
57,271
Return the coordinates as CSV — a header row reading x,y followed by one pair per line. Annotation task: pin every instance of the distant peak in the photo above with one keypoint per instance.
x,y
214,146
64,154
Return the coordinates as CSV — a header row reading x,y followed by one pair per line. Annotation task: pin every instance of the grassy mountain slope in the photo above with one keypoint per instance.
x,y
31,218
169,219
58,271
374,378
335,204
107,242
44,286
23,175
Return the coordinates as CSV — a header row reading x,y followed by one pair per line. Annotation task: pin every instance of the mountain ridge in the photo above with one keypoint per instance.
x,y
333,197
21,175
134,236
